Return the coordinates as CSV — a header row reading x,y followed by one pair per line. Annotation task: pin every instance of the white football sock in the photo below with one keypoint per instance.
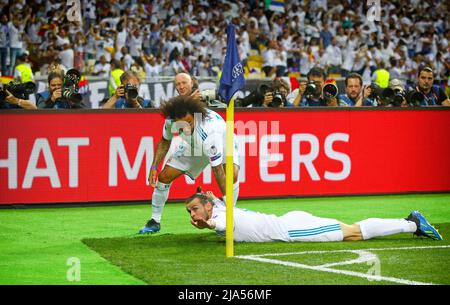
x,y
375,227
159,198
235,192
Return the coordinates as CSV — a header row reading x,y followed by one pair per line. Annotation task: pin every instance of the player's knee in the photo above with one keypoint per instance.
x,y
165,177
351,232
235,174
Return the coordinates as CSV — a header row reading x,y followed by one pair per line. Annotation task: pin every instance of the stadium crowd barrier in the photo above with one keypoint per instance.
x,y
95,89
57,156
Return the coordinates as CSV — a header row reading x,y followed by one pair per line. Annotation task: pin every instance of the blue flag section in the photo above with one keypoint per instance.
x,y
232,71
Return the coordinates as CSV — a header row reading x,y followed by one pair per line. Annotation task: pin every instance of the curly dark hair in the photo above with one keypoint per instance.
x,y
178,107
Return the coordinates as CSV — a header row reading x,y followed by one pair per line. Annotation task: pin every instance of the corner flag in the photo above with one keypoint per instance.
x,y
232,78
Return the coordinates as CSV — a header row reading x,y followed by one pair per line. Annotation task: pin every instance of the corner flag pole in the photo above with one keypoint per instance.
x,y
231,80
229,181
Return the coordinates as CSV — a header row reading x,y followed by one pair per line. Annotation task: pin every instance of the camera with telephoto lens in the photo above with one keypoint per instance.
x,y
208,95
211,99
310,90
387,96
19,90
376,91
415,98
131,91
277,100
69,90
329,91
394,97
255,98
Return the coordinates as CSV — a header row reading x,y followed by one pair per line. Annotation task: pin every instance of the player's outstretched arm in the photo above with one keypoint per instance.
x,y
219,174
161,150
203,224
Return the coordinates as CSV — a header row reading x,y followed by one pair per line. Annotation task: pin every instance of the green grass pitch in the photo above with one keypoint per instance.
x,y
39,246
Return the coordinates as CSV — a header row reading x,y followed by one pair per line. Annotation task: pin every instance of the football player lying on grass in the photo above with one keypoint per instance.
x,y
207,211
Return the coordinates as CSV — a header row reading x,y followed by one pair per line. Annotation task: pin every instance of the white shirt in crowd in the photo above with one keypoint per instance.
x,y
104,69
15,35
151,71
269,58
334,55
67,57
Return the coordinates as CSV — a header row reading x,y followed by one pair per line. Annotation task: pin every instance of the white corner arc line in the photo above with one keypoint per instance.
x,y
325,268
345,272
347,250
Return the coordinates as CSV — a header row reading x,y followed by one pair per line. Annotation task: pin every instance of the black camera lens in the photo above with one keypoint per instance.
x,y
310,88
277,99
330,90
19,90
71,95
131,91
415,98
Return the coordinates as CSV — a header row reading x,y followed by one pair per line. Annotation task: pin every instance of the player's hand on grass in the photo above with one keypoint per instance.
x,y
200,223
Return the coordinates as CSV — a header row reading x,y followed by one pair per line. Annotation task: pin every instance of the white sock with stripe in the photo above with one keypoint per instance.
x,y
375,227
159,198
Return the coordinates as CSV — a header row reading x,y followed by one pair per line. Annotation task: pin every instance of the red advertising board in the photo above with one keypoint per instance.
x,y
91,156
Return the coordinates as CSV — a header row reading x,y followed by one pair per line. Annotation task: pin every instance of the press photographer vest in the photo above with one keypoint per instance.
x,y
26,73
115,77
382,78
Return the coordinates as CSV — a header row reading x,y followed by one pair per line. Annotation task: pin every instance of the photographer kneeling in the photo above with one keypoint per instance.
x,y
62,91
127,94
267,96
315,92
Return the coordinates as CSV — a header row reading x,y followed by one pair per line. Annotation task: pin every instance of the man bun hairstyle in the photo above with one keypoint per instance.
x,y
178,107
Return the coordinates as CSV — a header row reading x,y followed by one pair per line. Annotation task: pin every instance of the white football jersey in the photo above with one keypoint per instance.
x,y
208,138
293,226
249,226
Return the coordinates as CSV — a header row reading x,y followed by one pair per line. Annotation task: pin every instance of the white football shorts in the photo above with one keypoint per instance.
x,y
303,226
181,158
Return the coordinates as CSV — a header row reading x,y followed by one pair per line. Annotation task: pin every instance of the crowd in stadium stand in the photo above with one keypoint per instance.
x,y
162,38
384,42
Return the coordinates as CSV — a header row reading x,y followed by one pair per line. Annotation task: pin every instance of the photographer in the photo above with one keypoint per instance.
x,y
276,97
267,96
62,91
15,96
126,95
311,93
187,85
355,94
433,95
392,96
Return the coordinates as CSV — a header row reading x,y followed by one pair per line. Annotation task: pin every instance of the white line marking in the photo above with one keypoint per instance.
x,y
346,250
364,256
